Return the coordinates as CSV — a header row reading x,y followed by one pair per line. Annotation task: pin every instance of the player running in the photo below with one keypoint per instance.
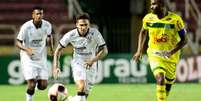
x,y
31,40
166,37
89,46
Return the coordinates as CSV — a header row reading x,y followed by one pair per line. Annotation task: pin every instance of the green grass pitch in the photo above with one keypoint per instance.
x,y
111,92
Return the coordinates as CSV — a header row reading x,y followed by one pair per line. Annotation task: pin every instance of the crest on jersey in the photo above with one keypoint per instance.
x,y
89,38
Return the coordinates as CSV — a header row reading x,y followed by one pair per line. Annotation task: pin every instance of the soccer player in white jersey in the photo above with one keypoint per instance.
x,y
89,46
31,40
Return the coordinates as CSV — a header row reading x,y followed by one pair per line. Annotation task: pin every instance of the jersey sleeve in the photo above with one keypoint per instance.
x,y
21,34
49,29
179,25
99,38
65,39
144,23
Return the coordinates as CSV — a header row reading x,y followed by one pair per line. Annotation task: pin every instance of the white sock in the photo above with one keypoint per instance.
x,y
28,97
77,98
81,98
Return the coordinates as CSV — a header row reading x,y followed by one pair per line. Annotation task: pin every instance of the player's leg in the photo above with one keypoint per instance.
x,y
81,95
42,84
170,77
158,68
42,78
79,75
159,73
80,85
88,87
168,86
30,90
90,79
160,84
29,73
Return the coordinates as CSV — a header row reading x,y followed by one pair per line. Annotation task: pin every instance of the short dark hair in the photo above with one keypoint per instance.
x,y
37,8
83,16
164,2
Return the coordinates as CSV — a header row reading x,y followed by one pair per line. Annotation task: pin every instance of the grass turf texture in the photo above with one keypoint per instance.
x,y
111,92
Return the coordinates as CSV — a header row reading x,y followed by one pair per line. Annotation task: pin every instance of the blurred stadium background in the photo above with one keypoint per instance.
x,y
119,21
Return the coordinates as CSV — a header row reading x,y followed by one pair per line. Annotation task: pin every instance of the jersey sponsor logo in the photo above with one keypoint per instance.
x,y
90,53
160,25
82,51
36,43
79,49
161,39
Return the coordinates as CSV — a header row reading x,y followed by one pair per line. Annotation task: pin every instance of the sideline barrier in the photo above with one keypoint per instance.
x,y
116,68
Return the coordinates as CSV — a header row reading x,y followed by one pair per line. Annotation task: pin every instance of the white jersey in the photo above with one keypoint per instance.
x,y
34,38
84,46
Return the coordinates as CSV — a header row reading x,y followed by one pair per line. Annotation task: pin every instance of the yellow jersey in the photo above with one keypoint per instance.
x,y
163,34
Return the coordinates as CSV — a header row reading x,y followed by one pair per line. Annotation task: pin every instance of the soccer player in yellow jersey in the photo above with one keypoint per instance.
x,y
166,34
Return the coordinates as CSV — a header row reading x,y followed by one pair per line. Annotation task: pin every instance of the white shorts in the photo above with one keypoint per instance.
x,y
38,72
34,69
81,73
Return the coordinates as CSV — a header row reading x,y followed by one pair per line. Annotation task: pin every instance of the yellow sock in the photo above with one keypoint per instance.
x,y
160,92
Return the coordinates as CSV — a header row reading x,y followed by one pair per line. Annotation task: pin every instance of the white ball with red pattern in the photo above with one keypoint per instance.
x,y
57,92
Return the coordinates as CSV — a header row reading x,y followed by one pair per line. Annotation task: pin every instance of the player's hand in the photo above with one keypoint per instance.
x,y
136,56
51,52
29,51
55,72
88,63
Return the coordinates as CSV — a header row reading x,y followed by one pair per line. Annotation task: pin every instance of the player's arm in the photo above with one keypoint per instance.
x,y
102,52
181,43
22,47
50,43
141,42
56,58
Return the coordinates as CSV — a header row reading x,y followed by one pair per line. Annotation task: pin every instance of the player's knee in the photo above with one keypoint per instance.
x,y
42,87
42,84
31,86
160,79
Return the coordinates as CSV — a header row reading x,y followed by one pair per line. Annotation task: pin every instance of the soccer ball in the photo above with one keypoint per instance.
x,y
57,92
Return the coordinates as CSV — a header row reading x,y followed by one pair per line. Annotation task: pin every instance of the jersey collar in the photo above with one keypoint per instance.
x,y
82,35
39,26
